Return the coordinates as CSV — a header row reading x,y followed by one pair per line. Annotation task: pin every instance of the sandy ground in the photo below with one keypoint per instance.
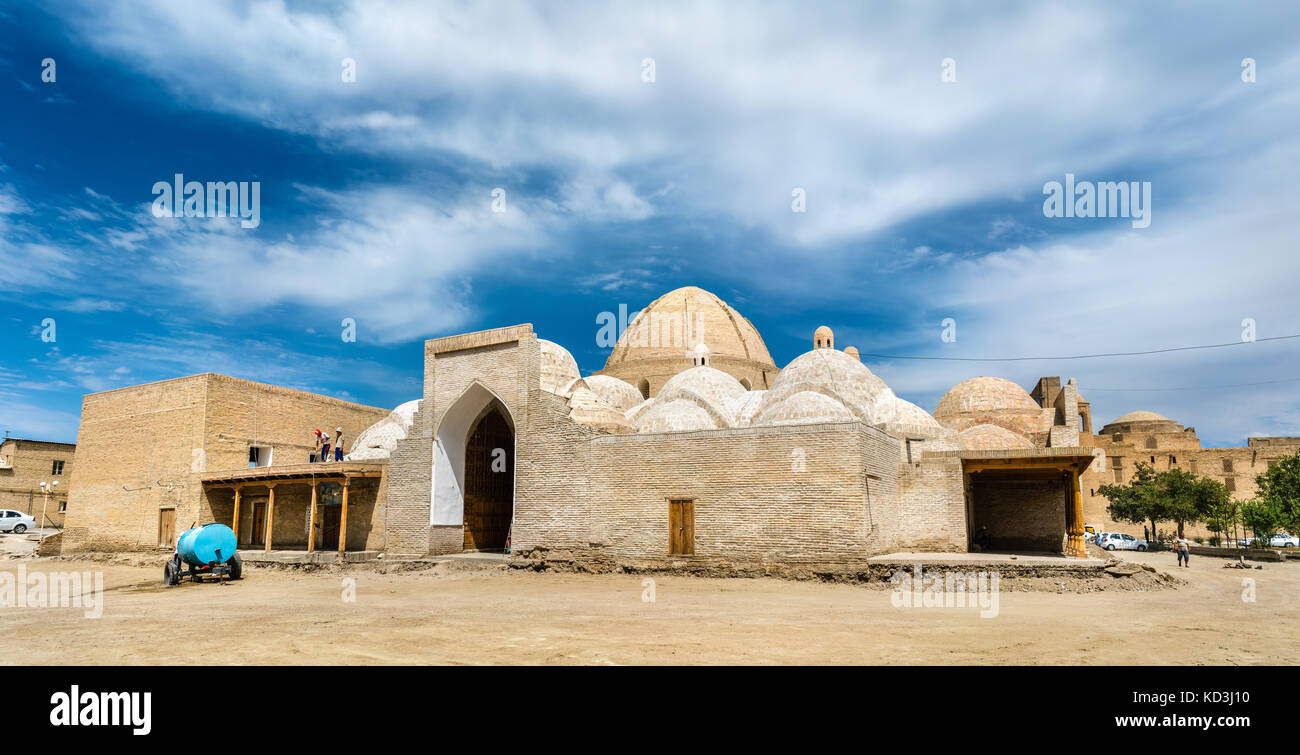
x,y
481,614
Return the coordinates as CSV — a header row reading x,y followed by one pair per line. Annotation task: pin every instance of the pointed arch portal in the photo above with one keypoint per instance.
x,y
474,469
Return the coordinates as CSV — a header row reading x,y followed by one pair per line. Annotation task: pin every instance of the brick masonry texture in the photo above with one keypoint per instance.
x,y
142,449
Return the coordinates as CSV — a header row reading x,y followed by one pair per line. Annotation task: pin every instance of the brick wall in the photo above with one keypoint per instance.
x,y
1021,514
142,449
28,463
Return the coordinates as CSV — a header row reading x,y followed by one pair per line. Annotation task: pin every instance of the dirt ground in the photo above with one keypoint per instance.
x,y
467,613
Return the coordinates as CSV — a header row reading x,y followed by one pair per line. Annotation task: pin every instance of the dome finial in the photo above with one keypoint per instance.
x,y
823,338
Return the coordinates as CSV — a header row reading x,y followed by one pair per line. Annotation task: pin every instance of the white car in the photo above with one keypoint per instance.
x,y
1118,541
1282,540
15,521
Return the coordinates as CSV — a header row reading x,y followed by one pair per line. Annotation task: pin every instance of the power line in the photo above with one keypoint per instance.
x,y
1192,387
1079,356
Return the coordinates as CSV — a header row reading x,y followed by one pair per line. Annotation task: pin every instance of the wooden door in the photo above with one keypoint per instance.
x,y
489,483
257,533
329,532
166,528
681,527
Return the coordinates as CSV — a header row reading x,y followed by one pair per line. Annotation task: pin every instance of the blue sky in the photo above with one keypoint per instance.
x,y
924,198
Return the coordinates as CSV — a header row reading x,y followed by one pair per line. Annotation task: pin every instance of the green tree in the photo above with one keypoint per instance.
x,y
1261,517
1171,496
1279,487
1135,502
1187,498
1223,518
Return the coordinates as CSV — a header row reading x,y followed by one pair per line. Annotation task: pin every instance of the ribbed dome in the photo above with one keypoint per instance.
x,y
674,323
991,438
984,395
838,376
558,367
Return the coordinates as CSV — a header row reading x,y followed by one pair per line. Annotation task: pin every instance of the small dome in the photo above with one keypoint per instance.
x,y
714,386
823,338
804,407
911,414
617,393
988,437
675,416
1141,416
589,409
558,367
379,440
838,376
984,395
700,355
744,408
853,352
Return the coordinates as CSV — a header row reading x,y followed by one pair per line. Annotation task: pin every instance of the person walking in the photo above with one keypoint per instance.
x,y
325,447
1146,533
1184,550
338,444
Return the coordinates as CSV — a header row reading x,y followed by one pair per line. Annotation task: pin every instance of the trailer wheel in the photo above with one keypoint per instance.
x,y
169,575
236,567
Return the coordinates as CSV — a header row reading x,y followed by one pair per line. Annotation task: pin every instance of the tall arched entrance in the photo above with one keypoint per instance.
x,y
489,481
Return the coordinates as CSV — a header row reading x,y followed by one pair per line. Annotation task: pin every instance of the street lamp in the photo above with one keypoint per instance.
x,y
46,488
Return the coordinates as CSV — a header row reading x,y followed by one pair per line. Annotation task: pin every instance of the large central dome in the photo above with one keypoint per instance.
x,y
660,342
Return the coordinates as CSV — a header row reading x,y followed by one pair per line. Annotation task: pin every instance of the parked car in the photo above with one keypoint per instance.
x,y
1118,541
15,521
1283,540
1089,533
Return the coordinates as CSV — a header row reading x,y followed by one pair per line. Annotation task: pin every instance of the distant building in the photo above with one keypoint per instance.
x,y
144,451
1163,444
24,465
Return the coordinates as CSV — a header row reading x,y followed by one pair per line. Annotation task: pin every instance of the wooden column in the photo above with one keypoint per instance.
x,y
311,521
270,513
235,524
1074,544
343,518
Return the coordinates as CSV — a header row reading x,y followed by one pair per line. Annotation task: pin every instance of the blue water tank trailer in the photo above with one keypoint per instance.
x,y
208,551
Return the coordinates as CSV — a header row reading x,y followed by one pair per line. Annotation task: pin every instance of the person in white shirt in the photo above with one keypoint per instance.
x,y
1184,547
